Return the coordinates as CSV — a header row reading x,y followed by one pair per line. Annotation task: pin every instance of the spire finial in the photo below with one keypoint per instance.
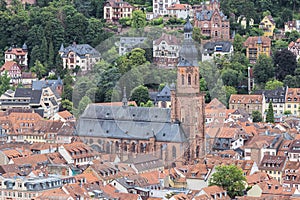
x,y
124,100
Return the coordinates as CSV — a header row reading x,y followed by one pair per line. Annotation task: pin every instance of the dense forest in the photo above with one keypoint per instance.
x,y
49,24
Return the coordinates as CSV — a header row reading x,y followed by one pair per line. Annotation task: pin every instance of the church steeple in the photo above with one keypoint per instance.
x,y
188,53
187,100
187,68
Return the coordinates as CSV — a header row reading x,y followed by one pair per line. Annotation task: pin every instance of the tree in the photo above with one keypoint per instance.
x,y
287,112
197,34
285,64
39,69
84,102
229,90
263,70
273,84
270,114
4,83
256,116
230,178
238,42
290,81
138,19
44,51
231,77
50,56
67,105
140,94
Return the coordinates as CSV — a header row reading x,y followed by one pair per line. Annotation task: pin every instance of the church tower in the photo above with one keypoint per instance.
x,y
187,101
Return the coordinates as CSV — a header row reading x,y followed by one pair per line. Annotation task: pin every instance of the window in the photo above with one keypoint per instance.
x,y
189,80
182,79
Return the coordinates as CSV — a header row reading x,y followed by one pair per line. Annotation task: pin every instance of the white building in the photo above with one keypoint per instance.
x,y
20,55
180,10
292,26
160,6
166,51
294,47
82,55
127,44
212,49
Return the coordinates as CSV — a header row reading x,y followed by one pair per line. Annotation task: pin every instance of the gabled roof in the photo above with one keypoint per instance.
x,y
8,66
81,50
246,99
168,38
129,122
179,7
278,93
210,47
16,51
40,84
164,94
251,41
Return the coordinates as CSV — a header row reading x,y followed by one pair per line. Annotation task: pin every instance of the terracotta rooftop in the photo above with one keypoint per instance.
x,y
16,51
8,66
65,114
253,40
169,39
246,99
179,7
293,95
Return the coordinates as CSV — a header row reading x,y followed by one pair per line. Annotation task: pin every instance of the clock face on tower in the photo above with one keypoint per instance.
x,y
189,70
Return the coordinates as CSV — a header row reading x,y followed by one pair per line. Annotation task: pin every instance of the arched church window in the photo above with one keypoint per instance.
x,y
173,152
196,79
182,79
189,79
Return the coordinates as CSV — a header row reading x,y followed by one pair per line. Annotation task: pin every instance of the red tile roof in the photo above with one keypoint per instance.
x,y
8,66
179,7
246,99
16,51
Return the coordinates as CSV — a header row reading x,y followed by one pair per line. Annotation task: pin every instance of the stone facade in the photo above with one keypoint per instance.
x,y
212,22
256,46
187,101
117,9
166,51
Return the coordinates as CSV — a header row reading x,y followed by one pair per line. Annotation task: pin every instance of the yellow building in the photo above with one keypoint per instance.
x,y
256,46
268,25
292,101
273,166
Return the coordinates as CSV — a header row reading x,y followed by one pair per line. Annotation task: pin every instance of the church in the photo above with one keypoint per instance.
x,y
173,134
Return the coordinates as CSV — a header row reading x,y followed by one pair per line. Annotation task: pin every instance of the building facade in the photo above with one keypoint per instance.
x,y
212,22
249,102
82,55
166,51
293,101
256,46
160,6
268,25
13,71
220,48
180,11
187,102
20,55
117,9
127,44
294,47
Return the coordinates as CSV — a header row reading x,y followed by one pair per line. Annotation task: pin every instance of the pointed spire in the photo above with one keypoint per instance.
x,y
124,100
188,27
61,47
24,47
